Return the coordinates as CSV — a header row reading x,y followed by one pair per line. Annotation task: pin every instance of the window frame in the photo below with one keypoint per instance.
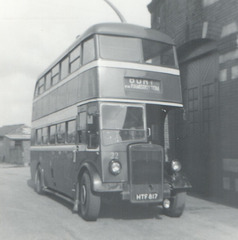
x,y
102,129
55,75
162,49
61,132
41,86
75,59
48,77
38,139
51,135
73,121
64,63
45,137
91,38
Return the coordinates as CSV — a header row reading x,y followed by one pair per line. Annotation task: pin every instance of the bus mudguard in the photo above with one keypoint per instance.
x,y
97,184
179,182
95,178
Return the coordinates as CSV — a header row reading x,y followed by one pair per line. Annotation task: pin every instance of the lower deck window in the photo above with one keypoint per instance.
x,y
52,134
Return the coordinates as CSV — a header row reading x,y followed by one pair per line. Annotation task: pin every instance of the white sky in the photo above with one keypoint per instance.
x,y
35,32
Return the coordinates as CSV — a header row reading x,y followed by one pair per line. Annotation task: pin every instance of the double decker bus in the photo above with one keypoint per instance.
x,y
98,121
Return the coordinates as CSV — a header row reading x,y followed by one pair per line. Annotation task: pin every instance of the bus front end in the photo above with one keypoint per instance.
x,y
133,156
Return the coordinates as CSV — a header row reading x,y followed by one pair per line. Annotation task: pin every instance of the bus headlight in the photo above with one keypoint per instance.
x,y
176,166
115,167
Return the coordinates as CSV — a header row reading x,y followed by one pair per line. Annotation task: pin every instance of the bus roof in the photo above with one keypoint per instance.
x,y
115,29
124,29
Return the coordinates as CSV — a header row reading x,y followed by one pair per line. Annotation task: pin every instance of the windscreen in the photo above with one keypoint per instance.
x,y
122,123
137,50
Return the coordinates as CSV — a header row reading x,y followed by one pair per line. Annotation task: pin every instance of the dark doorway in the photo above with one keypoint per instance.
x,y
196,137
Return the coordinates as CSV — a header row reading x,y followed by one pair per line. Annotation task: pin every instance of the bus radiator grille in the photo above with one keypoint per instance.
x,y
146,164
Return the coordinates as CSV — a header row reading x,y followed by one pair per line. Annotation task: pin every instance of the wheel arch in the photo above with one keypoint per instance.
x,y
96,182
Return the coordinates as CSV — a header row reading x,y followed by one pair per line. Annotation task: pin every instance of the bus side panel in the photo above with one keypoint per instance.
x,y
63,169
42,158
82,87
91,157
33,165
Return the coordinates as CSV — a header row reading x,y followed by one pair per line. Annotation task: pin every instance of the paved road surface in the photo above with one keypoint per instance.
x,y
24,215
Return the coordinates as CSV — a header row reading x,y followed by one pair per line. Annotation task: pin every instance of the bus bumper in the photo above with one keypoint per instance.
x,y
107,187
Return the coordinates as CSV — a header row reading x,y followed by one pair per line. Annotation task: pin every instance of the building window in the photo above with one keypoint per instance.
x,y
207,3
207,105
229,29
223,75
18,143
193,107
234,72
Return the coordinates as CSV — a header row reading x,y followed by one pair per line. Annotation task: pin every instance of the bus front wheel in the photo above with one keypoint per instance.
x,y
89,202
177,205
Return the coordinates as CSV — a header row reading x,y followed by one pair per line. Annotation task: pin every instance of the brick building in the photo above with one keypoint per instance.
x,y
206,35
15,144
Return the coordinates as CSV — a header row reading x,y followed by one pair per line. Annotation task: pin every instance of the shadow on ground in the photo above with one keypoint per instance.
x,y
115,210
126,210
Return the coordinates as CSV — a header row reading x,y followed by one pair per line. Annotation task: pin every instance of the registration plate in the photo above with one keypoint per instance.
x,y
146,196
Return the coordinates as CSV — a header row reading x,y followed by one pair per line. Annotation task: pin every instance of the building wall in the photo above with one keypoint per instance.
x,y
206,34
16,151
26,152
1,150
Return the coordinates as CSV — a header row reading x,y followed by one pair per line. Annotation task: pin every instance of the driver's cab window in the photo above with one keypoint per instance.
x,y
93,125
88,125
82,127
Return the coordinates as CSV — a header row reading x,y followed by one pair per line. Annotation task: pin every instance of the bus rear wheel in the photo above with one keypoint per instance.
x,y
177,205
89,202
38,181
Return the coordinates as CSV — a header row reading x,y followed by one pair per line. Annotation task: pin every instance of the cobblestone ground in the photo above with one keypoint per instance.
x,y
24,215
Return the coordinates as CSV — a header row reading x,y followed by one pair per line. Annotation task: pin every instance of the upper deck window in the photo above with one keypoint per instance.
x,y
41,86
89,51
75,59
48,81
120,48
64,68
157,53
137,50
55,75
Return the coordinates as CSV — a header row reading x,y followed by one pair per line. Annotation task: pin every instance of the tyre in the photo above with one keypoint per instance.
x,y
89,202
177,205
38,181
